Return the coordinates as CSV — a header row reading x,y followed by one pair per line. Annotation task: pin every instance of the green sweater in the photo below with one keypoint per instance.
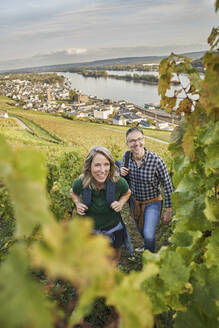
x,y
104,217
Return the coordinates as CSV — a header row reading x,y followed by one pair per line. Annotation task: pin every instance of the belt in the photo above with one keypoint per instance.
x,y
139,208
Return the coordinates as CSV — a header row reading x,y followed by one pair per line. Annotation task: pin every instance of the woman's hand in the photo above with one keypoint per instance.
x,y
124,171
116,206
81,208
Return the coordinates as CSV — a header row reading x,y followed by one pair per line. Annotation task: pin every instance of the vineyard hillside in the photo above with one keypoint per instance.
x,y
55,134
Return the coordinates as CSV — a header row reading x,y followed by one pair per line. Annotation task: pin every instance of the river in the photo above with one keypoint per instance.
x,y
109,88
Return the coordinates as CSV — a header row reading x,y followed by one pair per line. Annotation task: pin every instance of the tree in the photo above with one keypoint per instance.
x,y
72,95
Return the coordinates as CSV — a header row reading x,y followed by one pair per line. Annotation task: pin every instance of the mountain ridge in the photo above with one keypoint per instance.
x,y
102,62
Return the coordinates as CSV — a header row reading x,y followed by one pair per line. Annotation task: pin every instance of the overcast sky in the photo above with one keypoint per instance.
x,y
44,32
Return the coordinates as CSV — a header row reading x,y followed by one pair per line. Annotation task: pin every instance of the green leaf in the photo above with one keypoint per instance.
x,y
212,253
90,257
26,180
209,96
173,271
202,308
128,293
126,297
183,239
212,209
23,303
188,143
211,140
6,156
195,80
158,299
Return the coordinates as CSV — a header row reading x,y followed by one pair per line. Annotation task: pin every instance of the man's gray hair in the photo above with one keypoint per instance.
x,y
135,129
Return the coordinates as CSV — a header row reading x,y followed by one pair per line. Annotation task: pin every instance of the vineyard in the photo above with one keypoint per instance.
x,y
54,273
74,135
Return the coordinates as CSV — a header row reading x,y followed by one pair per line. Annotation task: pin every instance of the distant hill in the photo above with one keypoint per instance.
x,y
103,62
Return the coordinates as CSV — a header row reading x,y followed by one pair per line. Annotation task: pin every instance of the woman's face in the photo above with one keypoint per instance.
x,y
100,167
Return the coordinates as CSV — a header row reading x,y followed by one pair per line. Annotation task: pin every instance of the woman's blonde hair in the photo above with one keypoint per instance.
x,y
86,177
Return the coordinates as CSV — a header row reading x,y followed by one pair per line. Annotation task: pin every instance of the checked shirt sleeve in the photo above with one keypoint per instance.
x,y
165,181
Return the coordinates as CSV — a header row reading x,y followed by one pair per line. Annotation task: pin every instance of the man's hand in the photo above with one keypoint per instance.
x,y
124,171
116,206
167,216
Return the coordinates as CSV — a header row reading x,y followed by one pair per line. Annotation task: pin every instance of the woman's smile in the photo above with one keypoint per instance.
x,y
100,168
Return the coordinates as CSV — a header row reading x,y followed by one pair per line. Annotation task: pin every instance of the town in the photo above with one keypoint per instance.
x,y
52,93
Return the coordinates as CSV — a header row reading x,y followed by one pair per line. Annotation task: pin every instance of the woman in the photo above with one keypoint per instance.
x,y
99,172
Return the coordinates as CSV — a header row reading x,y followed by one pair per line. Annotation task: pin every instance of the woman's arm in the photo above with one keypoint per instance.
x,y
118,204
81,208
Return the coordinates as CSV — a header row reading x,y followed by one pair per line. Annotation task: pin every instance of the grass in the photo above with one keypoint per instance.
x,y
9,123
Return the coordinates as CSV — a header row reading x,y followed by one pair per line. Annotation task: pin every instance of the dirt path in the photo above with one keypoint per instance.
x,y
24,126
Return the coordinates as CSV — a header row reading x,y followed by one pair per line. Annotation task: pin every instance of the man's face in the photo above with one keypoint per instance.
x,y
135,141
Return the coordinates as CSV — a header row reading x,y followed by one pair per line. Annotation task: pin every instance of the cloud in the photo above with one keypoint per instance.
x,y
69,51
82,29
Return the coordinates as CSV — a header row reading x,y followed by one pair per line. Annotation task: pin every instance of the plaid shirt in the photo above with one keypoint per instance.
x,y
146,180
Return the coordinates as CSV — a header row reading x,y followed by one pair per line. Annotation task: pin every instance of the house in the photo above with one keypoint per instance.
x,y
80,98
144,124
3,114
103,113
82,114
132,117
165,126
149,106
119,120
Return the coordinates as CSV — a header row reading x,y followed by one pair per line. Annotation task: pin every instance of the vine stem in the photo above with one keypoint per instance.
x,y
216,191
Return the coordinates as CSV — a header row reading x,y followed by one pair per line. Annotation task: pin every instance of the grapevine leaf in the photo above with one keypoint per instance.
x,y
173,271
202,308
212,142
22,301
157,299
209,97
99,287
213,38
188,144
183,239
127,294
212,254
89,259
6,156
26,185
195,80
185,106
212,209
130,285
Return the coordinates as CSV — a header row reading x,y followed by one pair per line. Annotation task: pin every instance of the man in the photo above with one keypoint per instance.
x,y
146,172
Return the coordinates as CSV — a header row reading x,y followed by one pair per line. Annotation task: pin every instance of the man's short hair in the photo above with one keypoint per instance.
x,y
133,130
